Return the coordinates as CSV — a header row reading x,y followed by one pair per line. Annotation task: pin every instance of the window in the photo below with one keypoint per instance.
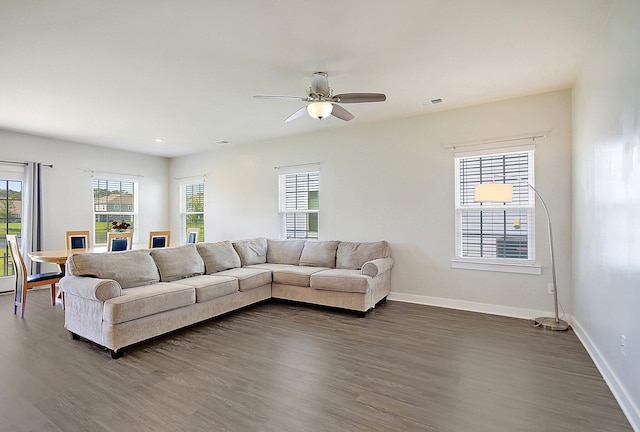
x,y
10,219
299,204
110,196
192,208
495,232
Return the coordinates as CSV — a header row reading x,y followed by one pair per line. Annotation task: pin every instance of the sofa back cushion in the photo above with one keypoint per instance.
x,y
129,269
319,254
284,251
252,251
178,262
352,255
218,256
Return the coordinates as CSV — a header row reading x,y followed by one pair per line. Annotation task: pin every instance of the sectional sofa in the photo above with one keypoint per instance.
x,y
120,298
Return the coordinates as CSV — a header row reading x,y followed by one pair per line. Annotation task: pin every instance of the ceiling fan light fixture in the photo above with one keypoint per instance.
x,y
319,110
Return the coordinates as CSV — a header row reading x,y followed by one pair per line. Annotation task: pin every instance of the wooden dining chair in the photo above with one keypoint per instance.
x,y
24,281
159,239
78,239
119,241
192,235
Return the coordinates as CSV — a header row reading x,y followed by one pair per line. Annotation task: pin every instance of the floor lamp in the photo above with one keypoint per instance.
x,y
503,193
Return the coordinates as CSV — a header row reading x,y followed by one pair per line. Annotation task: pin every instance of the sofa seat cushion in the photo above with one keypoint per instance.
x,y
147,300
296,275
270,266
211,287
341,280
248,278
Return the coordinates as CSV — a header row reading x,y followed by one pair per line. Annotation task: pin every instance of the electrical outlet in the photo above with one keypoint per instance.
x,y
623,344
550,289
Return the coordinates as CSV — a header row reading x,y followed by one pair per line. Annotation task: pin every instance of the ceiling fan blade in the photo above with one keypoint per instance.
x,y
280,97
359,97
341,113
320,84
296,114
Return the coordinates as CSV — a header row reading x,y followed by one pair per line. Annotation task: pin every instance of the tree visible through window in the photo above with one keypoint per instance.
x,y
193,208
299,204
113,200
495,231
10,219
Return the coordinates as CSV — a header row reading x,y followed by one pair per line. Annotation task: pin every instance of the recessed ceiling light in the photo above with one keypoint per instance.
x,y
428,102
159,140
223,142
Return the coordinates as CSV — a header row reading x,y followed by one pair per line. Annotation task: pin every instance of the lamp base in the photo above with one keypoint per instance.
x,y
550,323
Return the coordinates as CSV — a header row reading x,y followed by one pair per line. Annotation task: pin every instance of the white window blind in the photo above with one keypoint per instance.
x,y
495,232
113,200
299,204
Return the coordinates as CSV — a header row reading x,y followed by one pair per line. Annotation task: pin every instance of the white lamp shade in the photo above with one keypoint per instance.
x,y
319,110
494,192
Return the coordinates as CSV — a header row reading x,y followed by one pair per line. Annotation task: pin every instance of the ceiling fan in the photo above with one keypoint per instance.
x,y
322,101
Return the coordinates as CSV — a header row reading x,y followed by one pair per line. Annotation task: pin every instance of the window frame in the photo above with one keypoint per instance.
x,y
494,263
12,174
284,210
134,213
184,212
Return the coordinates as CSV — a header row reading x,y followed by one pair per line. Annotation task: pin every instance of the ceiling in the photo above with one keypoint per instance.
x,y
122,73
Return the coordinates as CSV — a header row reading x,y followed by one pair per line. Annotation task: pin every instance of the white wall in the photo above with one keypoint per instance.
x,y
68,196
606,203
395,181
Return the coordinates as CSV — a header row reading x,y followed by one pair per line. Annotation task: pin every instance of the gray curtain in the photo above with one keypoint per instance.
x,y
32,217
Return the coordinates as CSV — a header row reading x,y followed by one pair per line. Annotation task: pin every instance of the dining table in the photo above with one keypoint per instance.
x,y
59,256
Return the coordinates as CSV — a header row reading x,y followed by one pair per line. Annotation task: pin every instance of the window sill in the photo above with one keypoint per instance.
x,y
533,269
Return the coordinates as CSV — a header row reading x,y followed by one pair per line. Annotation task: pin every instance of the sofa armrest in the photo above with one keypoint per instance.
x,y
377,266
91,288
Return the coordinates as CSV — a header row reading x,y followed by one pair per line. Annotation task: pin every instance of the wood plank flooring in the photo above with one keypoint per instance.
x,y
280,367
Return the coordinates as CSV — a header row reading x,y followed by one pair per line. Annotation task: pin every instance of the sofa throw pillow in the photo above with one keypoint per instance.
x,y
218,256
129,269
352,255
284,251
319,254
252,251
179,262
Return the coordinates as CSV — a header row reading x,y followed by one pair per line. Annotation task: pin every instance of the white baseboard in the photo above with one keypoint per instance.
x,y
628,406
472,306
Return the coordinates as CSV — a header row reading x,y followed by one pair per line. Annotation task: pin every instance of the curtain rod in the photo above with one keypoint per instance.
x,y
113,173
296,165
22,163
494,141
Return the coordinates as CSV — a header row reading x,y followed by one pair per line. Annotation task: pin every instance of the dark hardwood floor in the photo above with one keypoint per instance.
x,y
282,367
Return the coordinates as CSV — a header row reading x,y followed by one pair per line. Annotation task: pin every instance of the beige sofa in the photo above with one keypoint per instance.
x,y
120,298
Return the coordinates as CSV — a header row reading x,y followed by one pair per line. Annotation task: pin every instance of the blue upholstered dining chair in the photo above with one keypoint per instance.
x,y
78,239
159,239
192,235
119,241
24,281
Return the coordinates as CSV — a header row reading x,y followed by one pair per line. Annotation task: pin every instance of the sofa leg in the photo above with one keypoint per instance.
x,y
362,314
73,336
116,354
384,299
